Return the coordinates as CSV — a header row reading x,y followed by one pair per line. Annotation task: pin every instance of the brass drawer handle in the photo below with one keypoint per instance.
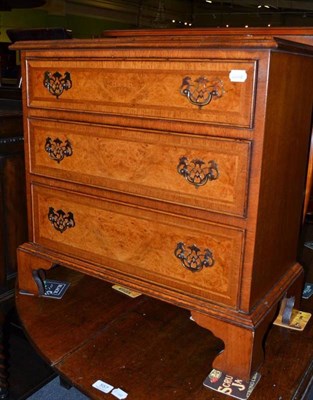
x,y
196,172
60,220
202,90
56,83
191,259
57,150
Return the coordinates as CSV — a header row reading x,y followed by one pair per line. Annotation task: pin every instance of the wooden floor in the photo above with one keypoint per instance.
x,y
150,349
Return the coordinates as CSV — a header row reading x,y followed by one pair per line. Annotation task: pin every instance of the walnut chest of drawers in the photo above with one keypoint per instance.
x,y
173,164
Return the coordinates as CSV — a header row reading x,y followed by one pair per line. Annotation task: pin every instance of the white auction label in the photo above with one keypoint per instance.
x,y
119,393
103,386
238,75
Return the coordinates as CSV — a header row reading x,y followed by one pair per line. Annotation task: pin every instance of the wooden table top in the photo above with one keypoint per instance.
x,y
150,349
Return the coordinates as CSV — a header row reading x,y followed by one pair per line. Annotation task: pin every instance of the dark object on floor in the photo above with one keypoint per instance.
x,y
54,390
27,371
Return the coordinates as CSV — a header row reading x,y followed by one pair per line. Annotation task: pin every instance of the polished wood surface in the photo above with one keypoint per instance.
x,y
149,348
228,266
299,31
302,35
150,162
152,86
309,182
123,236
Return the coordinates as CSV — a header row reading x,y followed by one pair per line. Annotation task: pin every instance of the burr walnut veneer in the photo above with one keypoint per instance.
x,y
173,164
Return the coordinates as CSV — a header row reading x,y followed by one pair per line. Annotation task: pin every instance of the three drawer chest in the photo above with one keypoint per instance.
x,y
173,164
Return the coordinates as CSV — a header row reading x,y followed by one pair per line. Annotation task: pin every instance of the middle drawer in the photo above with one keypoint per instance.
x,y
205,173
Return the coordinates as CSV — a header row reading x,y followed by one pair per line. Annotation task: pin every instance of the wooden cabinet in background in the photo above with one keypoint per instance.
x,y
174,164
13,230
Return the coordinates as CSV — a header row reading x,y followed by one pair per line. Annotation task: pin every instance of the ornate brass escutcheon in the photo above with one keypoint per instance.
x,y
56,83
57,150
60,220
197,172
192,259
202,90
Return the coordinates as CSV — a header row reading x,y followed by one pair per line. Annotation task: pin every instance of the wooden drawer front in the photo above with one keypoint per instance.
x,y
141,243
153,89
148,164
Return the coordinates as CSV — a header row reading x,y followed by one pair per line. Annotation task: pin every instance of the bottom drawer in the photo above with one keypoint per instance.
x,y
197,258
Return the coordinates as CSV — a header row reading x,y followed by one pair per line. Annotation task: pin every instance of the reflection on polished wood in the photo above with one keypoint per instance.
x,y
150,349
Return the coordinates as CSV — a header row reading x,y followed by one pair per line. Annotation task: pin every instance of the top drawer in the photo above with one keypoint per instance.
x,y
218,92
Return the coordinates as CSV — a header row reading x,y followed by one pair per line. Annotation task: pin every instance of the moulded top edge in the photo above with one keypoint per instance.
x,y
169,42
147,41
